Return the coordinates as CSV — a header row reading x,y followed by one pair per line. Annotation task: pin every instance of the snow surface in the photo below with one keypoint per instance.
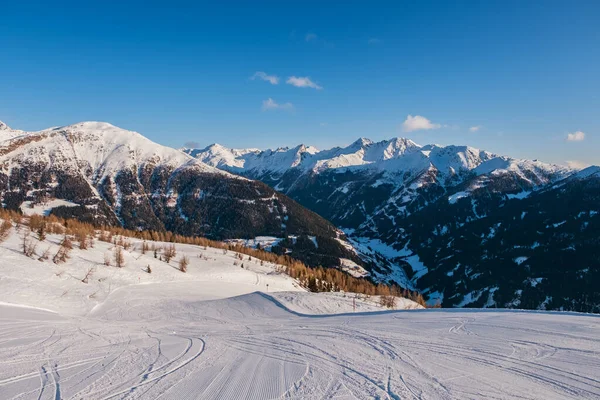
x,y
587,172
520,196
27,281
263,242
457,196
373,249
335,303
147,343
214,332
353,268
46,207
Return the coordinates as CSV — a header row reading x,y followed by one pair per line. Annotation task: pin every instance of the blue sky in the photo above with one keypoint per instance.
x,y
524,72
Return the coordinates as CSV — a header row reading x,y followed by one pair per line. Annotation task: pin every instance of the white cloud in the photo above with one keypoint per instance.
x,y
310,36
417,123
271,104
302,82
273,79
373,41
476,128
576,136
577,164
323,124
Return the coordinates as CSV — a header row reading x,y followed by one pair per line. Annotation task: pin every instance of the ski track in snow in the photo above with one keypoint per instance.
x,y
136,346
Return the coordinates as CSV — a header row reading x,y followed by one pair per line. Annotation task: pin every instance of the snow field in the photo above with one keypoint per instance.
x,y
213,333
212,273
249,347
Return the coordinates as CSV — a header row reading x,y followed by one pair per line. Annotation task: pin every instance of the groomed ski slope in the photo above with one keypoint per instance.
x,y
142,344
213,333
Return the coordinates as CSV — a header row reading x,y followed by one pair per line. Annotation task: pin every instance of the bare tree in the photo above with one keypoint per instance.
x,y
30,251
119,257
88,275
169,252
41,232
183,263
387,301
105,236
24,241
28,245
66,242
82,239
62,255
45,255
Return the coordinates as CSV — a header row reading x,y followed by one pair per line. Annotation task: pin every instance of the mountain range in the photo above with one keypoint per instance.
x,y
105,175
466,227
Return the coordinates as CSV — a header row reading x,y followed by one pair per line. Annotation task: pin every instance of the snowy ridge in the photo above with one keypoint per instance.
x,y
394,155
98,147
6,132
237,160
588,172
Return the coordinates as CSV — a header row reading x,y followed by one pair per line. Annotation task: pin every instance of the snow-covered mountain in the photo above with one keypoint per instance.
x,y
368,187
366,181
398,155
446,220
99,148
351,185
103,174
425,216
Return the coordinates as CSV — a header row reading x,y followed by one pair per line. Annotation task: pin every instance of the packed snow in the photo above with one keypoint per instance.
x,y
153,342
223,331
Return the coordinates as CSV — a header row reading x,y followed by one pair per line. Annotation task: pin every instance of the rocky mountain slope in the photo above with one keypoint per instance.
x,y
423,214
99,173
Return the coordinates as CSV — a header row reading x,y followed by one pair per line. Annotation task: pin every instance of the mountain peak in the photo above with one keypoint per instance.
x,y
216,146
95,126
403,141
306,149
362,142
4,127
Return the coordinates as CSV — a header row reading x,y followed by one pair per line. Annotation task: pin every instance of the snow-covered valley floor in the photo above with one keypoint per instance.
x,y
213,333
